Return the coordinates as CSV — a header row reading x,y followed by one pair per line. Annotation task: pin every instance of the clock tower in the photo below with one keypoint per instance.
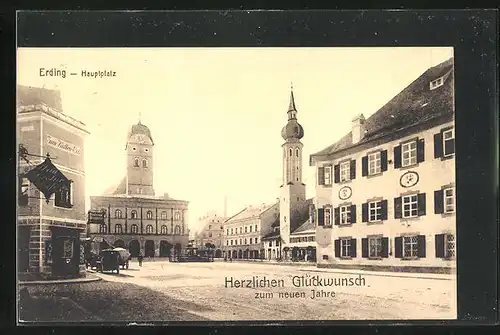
x,y
140,161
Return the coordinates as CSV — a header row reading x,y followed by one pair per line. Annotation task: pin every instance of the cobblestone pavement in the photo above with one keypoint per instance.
x,y
97,301
199,289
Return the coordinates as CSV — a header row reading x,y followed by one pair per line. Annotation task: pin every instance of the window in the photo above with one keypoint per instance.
x,y
146,150
118,228
256,228
134,229
409,153
139,190
375,247
209,227
144,163
136,162
245,241
345,214
328,216
164,230
448,142
149,229
328,175
271,243
103,229
210,234
64,196
256,240
250,228
163,215
374,163
246,229
134,148
177,215
345,248
231,231
436,83
410,246
241,230
227,242
231,242
410,206
177,230
290,152
449,200
374,211
450,246
297,152
149,215
118,214
24,193
133,214
345,171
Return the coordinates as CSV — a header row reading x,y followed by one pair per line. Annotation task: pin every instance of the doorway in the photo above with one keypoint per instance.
x,y
23,248
65,252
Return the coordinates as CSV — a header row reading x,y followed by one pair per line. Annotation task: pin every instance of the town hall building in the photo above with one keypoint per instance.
x,y
134,217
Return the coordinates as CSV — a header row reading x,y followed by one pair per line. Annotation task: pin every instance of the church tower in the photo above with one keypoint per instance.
x,y
140,161
293,191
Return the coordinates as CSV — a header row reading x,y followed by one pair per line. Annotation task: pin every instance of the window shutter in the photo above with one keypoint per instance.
x,y
321,217
353,248
450,146
383,209
439,243
438,202
364,166
398,208
438,145
420,150
383,160
397,157
364,212
385,247
337,216
398,247
321,176
353,213
364,248
421,246
421,204
337,248
336,173
353,169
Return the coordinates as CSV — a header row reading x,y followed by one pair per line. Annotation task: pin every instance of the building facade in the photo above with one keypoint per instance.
x,y
243,232
50,232
212,232
385,192
135,218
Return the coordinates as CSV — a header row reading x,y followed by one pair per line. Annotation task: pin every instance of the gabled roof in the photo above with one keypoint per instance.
x,y
306,227
416,104
271,235
301,215
252,212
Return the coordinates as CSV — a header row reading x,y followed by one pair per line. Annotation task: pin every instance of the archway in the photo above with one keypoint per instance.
x,y
119,244
235,254
134,248
165,248
240,254
149,248
218,253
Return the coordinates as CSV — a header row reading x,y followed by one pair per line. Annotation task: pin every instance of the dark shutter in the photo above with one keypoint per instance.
x,y
337,248
398,247
364,248
421,204
337,216
321,217
398,208
438,202
420,150
353,213
449,146
439,243
421,246
321,176
383,209
397,157
336,173
438,145
383,160
385,247
364,166
364,212
353,248
353,169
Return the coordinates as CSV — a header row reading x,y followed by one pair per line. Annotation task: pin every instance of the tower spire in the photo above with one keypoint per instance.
x,y
291,107
140,114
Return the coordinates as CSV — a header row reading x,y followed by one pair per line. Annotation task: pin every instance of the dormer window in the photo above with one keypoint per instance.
x,y
436,83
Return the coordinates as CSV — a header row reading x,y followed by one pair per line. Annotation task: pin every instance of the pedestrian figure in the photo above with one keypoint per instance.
x,y
140,258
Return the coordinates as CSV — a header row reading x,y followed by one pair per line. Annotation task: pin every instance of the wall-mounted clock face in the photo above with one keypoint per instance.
x,y
140,138
345,193
409,179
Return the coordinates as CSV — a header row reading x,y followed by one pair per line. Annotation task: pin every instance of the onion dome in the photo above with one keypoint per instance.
x,y
293,129
139,128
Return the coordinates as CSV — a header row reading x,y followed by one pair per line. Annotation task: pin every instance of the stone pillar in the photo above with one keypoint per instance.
x,y
157,248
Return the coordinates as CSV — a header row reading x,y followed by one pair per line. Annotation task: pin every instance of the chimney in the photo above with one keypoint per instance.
x,y
357,128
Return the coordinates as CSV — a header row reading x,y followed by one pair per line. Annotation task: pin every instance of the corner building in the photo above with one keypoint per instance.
x,y
385,192
50,233
135,218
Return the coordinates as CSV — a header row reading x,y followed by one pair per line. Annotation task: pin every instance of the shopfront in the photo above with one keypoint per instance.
x,y
65,252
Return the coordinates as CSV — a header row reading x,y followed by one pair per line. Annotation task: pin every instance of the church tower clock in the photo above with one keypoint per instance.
x,y
140,161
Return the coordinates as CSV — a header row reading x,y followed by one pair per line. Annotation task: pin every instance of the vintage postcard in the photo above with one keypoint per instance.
x,y
236,184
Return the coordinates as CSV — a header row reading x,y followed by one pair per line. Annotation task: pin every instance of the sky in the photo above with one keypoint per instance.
x,y
216,114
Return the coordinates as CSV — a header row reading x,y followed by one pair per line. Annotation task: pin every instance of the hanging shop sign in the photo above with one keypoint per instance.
x,y
47,178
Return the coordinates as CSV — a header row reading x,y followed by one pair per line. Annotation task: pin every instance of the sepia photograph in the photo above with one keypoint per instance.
x,y
235,184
